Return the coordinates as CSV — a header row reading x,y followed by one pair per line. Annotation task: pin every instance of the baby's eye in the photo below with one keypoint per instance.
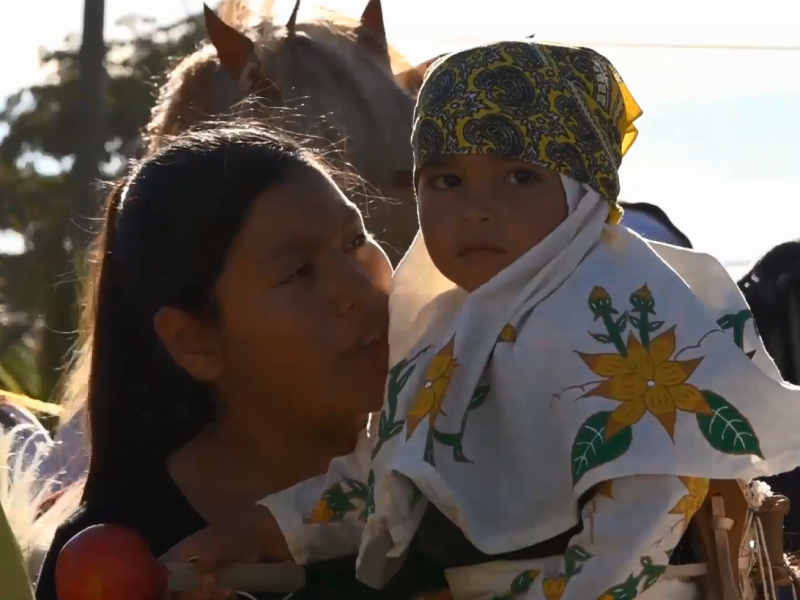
x,y
523,177
445,182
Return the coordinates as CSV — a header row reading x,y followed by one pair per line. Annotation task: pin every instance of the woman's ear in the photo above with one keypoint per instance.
x,y
193,344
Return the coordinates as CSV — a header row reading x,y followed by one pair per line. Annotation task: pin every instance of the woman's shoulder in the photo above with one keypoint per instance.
x,y
149,504
86,516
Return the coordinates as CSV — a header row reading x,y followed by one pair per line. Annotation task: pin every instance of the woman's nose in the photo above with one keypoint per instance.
x,y
353,286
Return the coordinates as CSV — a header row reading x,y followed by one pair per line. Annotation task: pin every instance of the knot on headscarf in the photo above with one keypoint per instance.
x,y
565,109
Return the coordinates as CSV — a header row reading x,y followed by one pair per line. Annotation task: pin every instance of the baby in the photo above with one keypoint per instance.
x,y
562,390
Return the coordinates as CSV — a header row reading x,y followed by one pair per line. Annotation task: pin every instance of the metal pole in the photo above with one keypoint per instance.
x,y
68,239
89,147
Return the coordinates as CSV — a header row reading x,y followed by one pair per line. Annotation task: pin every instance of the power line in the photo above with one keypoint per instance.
x,y
468,41
685,46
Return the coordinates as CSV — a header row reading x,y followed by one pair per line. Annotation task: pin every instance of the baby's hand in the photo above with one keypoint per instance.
x,y
253,537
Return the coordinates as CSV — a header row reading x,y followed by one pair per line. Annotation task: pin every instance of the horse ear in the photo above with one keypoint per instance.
x,y
372,32
234,49
411,79
293,19
237,54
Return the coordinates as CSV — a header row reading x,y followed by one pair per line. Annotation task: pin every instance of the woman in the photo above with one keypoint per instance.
x,y
238,340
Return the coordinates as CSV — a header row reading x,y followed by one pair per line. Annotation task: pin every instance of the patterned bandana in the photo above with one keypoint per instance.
x,y
565,109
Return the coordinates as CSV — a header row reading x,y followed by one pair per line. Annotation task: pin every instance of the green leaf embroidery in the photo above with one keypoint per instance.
x,y
335,503
397,428
601,337
369,506
522,583
398,377
358,490
726,429
725,322
623,591
590,450
459,456
338,500
456,440
428,453
478,397
651,573
737,322
446,439
573,557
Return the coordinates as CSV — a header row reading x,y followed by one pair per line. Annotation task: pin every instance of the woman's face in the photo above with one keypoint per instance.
x,y
304,310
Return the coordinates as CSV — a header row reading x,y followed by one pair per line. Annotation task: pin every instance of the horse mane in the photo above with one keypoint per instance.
x,y
239,14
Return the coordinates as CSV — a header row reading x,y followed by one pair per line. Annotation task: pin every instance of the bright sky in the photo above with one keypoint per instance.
x,y
720,133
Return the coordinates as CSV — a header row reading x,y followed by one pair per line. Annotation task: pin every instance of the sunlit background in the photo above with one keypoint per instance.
x,y
719,82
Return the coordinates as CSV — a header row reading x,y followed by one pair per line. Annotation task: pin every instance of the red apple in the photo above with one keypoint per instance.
x,y
109,562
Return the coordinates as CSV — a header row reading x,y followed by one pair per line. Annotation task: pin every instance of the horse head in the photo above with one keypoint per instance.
x,y
333,79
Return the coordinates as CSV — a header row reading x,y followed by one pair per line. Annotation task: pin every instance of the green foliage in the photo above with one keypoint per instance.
x,y
38,291
16,585
42,118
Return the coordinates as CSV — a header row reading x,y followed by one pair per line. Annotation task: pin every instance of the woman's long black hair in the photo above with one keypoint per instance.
x,y
166,235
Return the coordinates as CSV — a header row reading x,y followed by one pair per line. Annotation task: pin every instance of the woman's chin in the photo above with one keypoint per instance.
x,y
368,405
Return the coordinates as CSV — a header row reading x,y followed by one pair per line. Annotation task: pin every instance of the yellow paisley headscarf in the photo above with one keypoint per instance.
x,y
565,109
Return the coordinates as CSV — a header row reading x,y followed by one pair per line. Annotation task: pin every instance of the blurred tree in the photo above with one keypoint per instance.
x,y
38,312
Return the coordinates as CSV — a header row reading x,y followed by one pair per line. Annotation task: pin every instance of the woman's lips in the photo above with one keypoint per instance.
x,y
479,250
375,340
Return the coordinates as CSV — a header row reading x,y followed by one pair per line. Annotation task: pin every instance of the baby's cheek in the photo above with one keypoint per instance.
x,y
440,243
444,257
527,230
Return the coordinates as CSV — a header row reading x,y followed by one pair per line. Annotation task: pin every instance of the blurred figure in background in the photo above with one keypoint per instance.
x,y
652,223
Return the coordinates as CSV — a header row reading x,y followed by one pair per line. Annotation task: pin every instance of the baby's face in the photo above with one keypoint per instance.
x,y
478,214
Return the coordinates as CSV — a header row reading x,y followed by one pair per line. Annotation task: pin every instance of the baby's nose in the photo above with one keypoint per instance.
x,y
476,213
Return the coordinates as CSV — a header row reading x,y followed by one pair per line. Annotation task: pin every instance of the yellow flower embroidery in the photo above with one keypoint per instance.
x,y
508,334
598,294
643,293
428,401
689,504
320,514
553,587
647,380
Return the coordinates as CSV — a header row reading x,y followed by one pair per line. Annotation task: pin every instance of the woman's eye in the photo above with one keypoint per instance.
x,y
360,240
307,270
445,182
523,177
